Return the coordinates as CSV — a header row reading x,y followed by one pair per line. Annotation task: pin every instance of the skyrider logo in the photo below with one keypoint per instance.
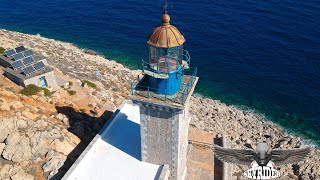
x,y
262,159
261,172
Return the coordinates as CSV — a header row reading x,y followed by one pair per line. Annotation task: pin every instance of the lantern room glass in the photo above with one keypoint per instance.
x,y
165,59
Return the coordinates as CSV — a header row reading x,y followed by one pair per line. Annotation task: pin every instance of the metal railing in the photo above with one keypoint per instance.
x,y
180,97
186,57
186,88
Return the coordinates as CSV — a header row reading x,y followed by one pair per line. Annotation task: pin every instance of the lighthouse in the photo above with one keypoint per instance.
x,y
163,95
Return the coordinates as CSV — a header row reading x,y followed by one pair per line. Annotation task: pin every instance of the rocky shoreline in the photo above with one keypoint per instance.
x,y
238,127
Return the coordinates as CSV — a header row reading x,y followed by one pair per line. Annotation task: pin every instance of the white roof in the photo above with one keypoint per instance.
x,y
116,153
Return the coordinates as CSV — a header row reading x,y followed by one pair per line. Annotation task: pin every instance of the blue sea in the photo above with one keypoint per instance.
x,y
256,54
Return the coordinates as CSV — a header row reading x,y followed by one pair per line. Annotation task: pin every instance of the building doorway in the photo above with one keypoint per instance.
x,y
43,81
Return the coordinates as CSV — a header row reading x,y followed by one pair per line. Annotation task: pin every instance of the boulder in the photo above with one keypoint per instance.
x,y
71,137
89,51
16,105
23,151
29,115
54,164
40,145
63,147
22,176
17,148
4,107
41,141
41,124
63,118
6,171
22,124
7,126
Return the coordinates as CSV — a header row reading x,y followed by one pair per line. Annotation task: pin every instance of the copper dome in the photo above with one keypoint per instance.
x,y
166,35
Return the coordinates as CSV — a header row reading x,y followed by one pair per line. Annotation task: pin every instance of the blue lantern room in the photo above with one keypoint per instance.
x,y
167,73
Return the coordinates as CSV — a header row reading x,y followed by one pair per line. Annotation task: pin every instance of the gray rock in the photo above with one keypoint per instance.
x,y
64,147
63,118
41,141
17,148
41,124
21,124
91,52
23,151
54,164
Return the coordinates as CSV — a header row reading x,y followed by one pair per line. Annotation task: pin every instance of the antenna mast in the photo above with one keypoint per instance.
x,y
165,7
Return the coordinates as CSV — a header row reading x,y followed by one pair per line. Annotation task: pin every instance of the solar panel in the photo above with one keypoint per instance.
x,y
17,64
27,60
20,49
28,70
10,52
39,65
18,56
28,53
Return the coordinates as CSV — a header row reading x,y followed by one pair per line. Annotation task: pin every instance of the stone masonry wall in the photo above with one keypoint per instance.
x,y
164,133
155,135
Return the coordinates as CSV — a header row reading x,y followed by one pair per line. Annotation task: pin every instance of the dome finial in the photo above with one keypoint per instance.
x,y
165,16
165,19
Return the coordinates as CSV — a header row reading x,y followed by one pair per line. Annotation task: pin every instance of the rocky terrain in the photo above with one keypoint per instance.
x,y
41,136
242,128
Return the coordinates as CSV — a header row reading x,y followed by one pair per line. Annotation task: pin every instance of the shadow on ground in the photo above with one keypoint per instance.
x,y
85,127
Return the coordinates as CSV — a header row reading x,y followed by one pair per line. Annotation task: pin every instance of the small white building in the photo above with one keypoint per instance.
x,y
24,67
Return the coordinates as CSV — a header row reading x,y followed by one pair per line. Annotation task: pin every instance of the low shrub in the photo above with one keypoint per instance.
x,y
71,93
90,84
30,90
82,110
47,92
2,50
70,83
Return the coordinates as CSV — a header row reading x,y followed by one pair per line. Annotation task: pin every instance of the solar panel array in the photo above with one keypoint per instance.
x,y
18,56
10,52
27,70
28,60
19,53
20,49
28,53
23,60
17,65
39,65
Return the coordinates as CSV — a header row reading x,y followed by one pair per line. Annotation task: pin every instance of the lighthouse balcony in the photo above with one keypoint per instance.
x,y
142,91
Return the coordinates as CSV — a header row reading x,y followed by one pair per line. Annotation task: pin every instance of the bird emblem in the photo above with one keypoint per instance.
x,y
263,154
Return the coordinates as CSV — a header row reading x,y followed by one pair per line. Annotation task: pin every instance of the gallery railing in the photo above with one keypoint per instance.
x,y
190,75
